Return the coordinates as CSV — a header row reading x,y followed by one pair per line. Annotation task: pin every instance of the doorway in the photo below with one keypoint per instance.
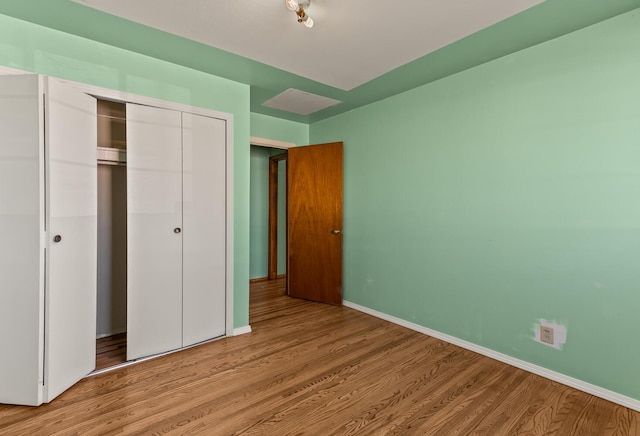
x,y
277,252
111,315
267,213
313,215
267,224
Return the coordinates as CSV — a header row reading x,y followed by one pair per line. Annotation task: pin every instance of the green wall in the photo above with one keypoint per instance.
x,y
267,127
264,126
504,194
38,49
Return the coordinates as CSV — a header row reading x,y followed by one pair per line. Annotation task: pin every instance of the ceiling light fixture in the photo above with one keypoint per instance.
x,y
299,6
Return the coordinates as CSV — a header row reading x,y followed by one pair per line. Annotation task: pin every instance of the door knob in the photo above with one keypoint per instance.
x,y
177,230
335,231
57,238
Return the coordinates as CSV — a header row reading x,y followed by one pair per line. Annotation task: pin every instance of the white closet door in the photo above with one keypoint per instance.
x,y
21,228
154,225
204,141
70,311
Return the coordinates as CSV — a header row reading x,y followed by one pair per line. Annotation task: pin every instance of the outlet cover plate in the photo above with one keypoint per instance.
x,y
546,334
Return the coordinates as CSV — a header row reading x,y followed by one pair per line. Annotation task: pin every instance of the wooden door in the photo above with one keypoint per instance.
x,y
314,222
71,206
154,230
204,235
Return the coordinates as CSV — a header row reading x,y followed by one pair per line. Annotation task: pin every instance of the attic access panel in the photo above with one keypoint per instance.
x,y
300,102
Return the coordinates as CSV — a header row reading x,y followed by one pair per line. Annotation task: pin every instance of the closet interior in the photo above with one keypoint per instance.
x,y
111,315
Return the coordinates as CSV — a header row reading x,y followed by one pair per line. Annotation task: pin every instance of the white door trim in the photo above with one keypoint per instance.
x,y
272,143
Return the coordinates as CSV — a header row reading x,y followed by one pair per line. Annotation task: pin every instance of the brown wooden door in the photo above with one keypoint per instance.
x,y
314,222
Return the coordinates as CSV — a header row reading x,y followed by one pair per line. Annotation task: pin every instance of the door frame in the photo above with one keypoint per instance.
x,y
272,250
272,269
112,94
270,143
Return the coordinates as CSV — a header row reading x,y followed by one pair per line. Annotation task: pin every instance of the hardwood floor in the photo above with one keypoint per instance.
x,y
316,369
111,351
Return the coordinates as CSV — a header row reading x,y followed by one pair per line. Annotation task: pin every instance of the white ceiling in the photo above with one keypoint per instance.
x,y
351,43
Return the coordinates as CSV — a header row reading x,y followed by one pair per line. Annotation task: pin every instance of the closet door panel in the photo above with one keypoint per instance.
x,y
204,146
154,221
21,228
70,311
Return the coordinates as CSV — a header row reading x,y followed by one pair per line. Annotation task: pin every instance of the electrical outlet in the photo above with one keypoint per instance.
x,y
546,334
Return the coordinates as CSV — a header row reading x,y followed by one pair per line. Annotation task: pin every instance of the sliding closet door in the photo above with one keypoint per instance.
x,y
154,220
70,298
204,146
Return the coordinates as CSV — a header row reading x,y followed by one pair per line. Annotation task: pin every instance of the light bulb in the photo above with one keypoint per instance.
x,y
292,5
308,21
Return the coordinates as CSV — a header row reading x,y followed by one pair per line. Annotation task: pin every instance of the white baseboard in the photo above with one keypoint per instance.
x,y
589,388
242,330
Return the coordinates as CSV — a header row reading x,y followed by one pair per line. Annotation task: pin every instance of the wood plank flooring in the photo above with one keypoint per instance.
x,y
111,351
315,369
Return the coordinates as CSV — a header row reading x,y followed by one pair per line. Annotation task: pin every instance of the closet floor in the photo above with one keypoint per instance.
x,y
111,351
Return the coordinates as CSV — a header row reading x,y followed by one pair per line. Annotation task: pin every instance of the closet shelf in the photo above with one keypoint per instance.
x,y
112,155
114,119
